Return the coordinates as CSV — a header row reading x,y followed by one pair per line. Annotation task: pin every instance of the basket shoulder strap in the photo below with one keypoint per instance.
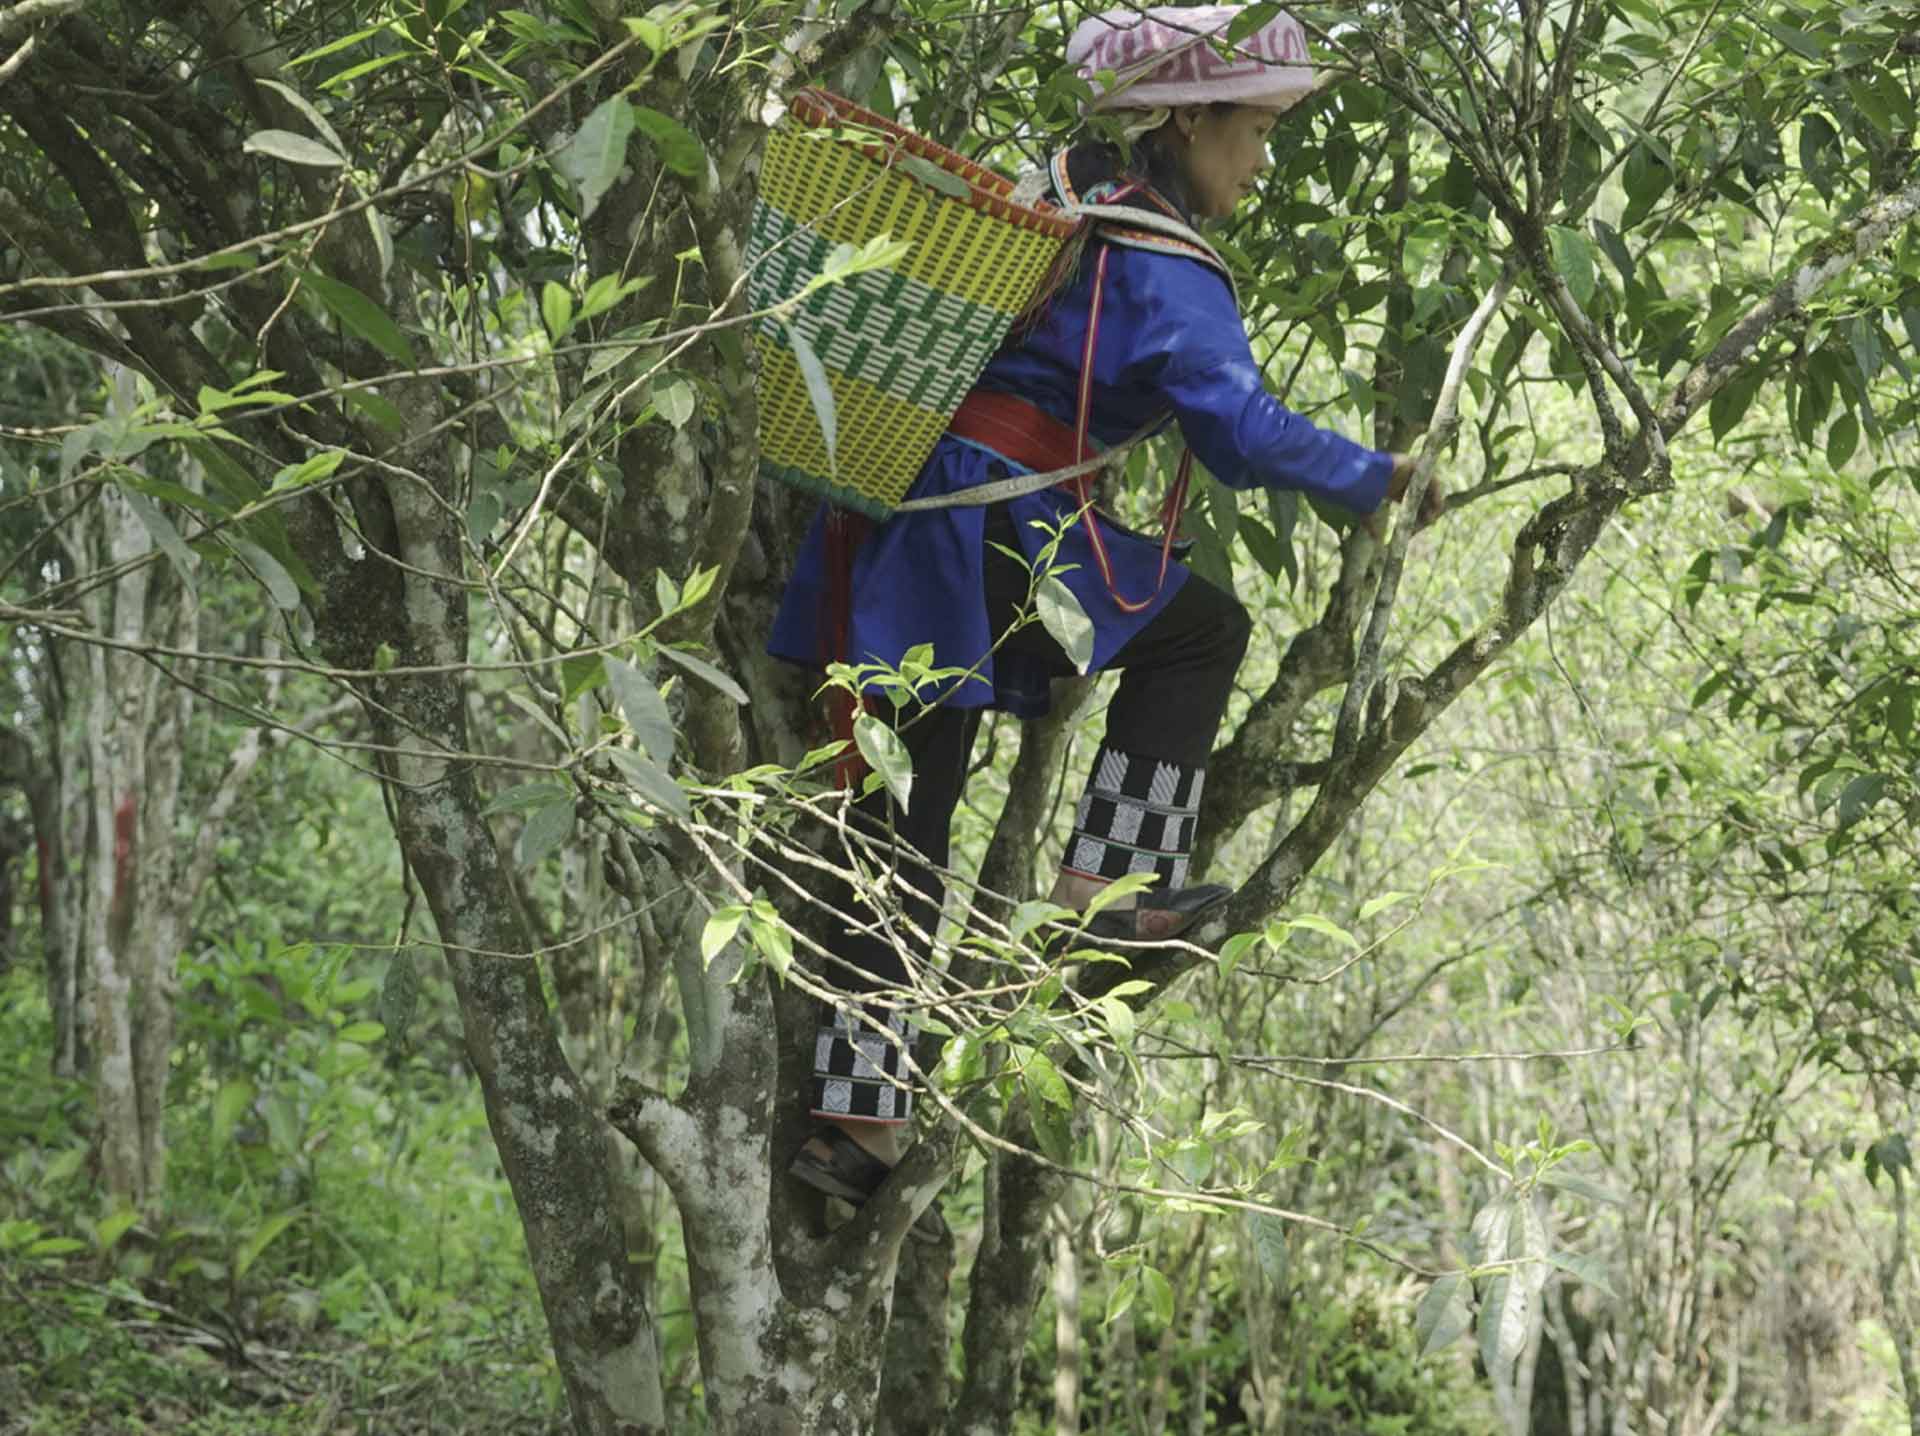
x,y
1136,228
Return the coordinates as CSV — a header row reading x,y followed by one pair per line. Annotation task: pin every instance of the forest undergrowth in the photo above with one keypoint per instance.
x,y
339,1251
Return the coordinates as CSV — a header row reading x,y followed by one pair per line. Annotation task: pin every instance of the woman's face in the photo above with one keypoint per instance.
x,y
1225,151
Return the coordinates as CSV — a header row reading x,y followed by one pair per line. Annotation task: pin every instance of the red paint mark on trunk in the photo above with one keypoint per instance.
x,y
125,855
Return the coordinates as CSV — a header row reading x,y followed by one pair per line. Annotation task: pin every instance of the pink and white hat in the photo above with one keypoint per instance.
x,y
1170,56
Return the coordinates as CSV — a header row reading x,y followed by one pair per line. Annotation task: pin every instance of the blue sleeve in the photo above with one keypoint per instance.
x,y
1191,347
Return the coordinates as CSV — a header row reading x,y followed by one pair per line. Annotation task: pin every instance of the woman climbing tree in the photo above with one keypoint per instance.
x,y
1145,332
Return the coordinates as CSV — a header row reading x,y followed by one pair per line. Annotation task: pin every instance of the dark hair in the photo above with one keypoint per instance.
x,y
1152,158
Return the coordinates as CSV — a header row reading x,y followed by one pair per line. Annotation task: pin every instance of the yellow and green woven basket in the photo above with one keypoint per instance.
x,y
900,347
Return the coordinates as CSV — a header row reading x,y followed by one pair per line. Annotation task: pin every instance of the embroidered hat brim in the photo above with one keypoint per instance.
x,y
1171,55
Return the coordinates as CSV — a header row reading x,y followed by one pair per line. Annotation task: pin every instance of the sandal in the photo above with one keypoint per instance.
x,y
853,1174
1183,908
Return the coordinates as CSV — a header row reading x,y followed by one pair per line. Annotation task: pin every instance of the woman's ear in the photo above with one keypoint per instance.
x,y
1185,119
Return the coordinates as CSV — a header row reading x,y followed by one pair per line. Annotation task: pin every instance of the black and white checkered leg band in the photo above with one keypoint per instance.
x,y
1137,816
860,1072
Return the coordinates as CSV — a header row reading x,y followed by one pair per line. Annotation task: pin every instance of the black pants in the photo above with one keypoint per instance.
x,y
1137,815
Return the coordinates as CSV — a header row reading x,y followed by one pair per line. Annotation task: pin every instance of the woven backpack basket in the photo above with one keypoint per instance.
x,y
899,347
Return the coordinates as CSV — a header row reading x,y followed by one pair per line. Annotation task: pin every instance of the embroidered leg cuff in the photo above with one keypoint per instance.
x,y
860,1072
1137,816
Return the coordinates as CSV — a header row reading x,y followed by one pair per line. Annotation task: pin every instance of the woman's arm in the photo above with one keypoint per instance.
x,y
1190,348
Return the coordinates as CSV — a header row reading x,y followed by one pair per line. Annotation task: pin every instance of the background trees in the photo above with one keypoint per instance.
x,y
396,353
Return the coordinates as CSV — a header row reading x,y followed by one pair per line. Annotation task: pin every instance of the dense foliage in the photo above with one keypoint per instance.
x,y
391,753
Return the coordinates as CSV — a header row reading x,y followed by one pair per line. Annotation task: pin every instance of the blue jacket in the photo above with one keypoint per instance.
x,y
1170,342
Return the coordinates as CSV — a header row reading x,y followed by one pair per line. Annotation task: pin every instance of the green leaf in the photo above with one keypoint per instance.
x,y
1262,547
1503,1327
1313,922
962,1060
309,471
1120,1299
607,291
381,412
230,1103
1270,1247
1065,620
266,568
1373,907
1842,439
1192,1159
719,931
1234,949
1044,1079
1877,102
399,997
359,314
338,84
1580,1186
1900,708
1159,1294
682,153
346,42
581,673
1587,1270
293,149
525,797
1798,41
1029,915
1615,249
1132,885
706,672
645,710
1443,1315
887,756
556,309
545,829
1118,1017
1819,145
1730,405
361,1032
597,153
1487,1240
1859,795
308,111
55,1246
819,393
263,1237
932,176
770,937
673,399
1646,177
114,1226
1573,257
652,783
160,528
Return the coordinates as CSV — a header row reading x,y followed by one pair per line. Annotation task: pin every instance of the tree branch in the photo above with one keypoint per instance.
x,y
1446,421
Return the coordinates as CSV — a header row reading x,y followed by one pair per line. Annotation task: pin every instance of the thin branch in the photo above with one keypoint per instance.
x,y
1445,421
